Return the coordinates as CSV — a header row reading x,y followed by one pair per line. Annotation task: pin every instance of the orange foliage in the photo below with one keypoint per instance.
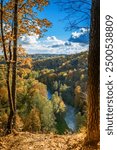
x,y
27,62
28,22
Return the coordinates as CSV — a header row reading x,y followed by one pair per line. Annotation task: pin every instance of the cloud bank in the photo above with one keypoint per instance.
x,y
52,45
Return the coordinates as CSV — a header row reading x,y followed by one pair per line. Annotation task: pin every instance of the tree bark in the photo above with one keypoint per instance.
x,y
3,40
8,64
14,67
93,131
10,118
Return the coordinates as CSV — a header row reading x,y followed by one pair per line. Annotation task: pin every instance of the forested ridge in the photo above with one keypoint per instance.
x,y
65,81
64,72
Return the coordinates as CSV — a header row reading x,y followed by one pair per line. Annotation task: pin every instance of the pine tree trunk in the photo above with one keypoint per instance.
x,y
93,131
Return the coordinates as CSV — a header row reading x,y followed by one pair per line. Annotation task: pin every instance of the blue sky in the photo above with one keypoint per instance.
x,y
54,14
56,40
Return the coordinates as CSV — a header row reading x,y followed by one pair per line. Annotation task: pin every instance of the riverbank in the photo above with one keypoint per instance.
x,y
69,114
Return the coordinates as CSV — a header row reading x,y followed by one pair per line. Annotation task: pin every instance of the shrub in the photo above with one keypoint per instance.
x,y
80,120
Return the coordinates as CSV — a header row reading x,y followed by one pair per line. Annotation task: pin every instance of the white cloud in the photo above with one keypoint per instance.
x,y
82,31
76,34
51,45
26,39
53,40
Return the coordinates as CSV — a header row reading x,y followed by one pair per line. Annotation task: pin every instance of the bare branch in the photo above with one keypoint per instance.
x,y
77,11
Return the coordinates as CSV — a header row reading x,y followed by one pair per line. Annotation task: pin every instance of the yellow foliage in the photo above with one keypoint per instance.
x,y
3,120
78,89
33,122
19,123
26,62
82,77
3,94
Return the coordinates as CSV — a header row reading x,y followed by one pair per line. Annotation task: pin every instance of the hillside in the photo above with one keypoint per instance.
x,y
49,61
54,88
45,91
63,73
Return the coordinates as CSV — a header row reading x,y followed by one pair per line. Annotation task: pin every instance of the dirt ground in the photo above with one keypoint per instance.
x,y
29,141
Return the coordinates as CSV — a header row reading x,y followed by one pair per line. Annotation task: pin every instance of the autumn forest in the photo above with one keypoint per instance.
x,y
49,101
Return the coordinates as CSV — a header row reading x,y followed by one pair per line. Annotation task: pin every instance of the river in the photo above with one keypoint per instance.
x,y
69,115
49,95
